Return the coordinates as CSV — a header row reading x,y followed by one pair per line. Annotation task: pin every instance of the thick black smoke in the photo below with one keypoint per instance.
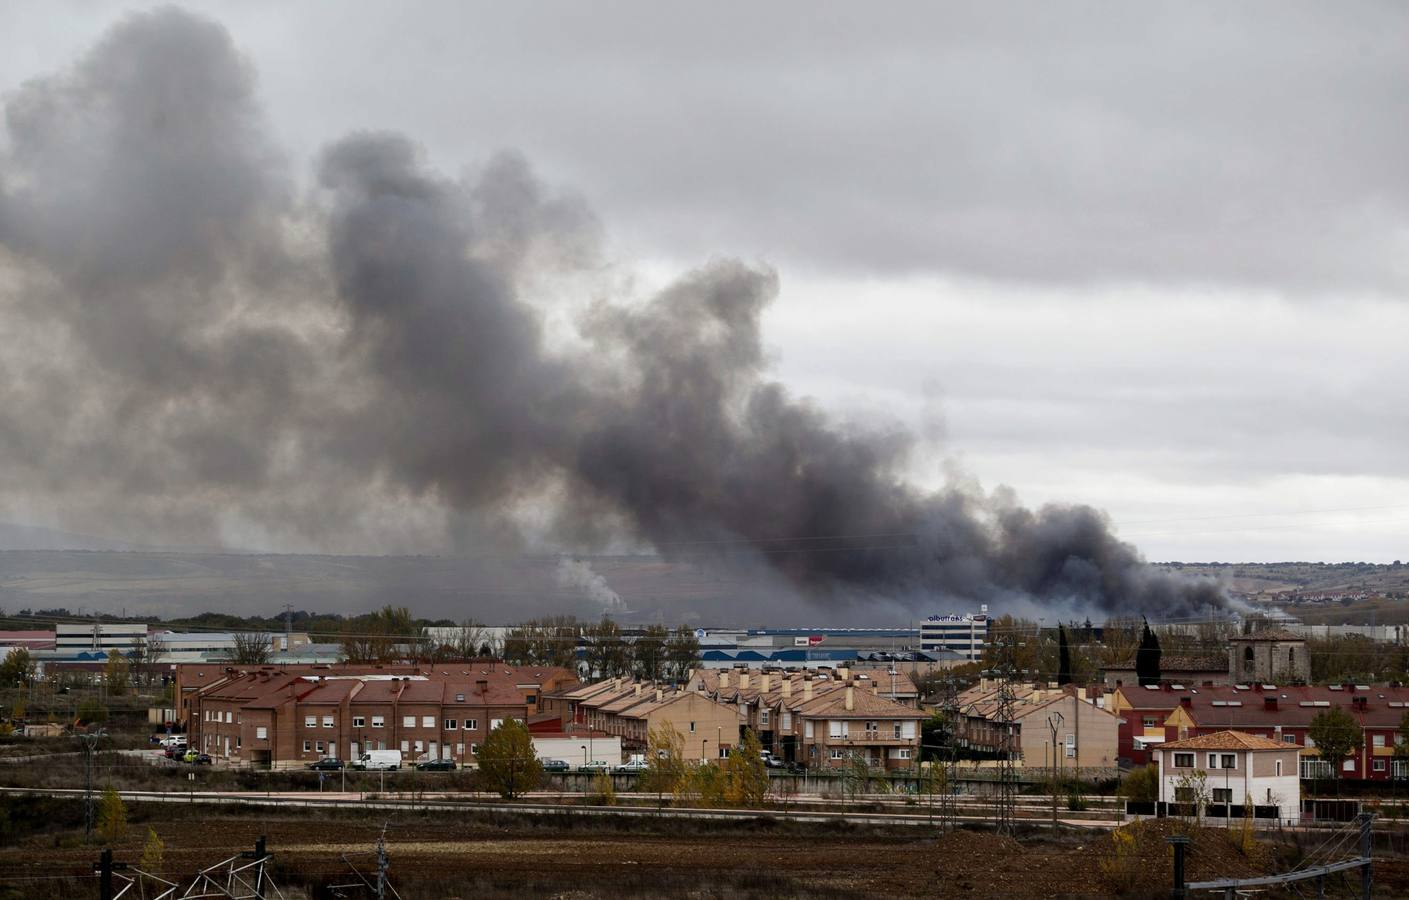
x,y
205,355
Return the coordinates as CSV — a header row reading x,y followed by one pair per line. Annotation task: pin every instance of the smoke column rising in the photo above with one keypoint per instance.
x,y
205,351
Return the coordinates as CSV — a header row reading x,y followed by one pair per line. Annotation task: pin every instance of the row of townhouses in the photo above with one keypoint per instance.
x,y
1056,727
824,719
277,718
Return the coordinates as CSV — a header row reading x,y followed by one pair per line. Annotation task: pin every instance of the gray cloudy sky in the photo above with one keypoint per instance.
x,y
1152,257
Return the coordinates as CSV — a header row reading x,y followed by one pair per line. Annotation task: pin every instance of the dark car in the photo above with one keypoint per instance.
x,y
327,764
556,765
436,765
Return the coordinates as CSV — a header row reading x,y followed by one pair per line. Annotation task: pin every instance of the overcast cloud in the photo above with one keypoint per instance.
x,y
1149,258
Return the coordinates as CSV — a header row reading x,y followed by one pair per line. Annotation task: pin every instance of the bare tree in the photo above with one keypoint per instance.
x,y
471,638
152,653
252,648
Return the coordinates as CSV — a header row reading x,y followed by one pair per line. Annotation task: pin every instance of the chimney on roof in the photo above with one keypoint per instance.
x,y
1257,687
1269,701
806,688
744,680
850,697
1164,686
843,673
764,682
483,685
787,688
1186,701
660,695
638,689
724,679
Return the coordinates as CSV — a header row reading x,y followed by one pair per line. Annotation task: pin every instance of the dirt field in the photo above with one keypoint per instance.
x,y
505,856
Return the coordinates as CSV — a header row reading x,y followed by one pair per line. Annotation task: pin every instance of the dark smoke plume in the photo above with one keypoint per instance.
x,y
207,354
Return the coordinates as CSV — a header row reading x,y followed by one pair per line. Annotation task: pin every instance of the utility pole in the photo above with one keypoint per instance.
x,y
383,864
105,867
1054,720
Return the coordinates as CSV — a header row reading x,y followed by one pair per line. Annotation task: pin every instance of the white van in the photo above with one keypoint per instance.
x,y
378,760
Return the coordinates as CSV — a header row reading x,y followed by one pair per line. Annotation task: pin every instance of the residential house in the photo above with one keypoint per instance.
x,y
1218,775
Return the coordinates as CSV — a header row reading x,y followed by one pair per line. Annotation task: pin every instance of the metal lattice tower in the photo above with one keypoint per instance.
x,y
1007,744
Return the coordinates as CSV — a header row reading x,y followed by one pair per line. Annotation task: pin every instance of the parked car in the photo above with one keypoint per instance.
x,y
596,765
174,751
555,765
771,761
436,765
327,764
632,767
196,758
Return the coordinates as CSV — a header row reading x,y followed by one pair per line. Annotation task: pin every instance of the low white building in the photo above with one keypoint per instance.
x,y
1224,771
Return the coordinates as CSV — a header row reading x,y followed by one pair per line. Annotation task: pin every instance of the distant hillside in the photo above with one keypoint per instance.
x,y
1302,577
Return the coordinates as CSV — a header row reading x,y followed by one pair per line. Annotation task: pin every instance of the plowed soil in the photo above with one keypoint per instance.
x,y
442,857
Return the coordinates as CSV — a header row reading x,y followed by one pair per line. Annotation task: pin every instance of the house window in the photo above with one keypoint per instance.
x,y
1229,760
1183,760
471,724
378,721
495,723
229,718
899,731
692,727
904,753
763,717
1148,721
318,746
307,745
1377,740
418,746
327,721
408,721
427,721
1279,768
1379,765
1071,746
310,721
836,753
459,698
1222,795
1183,795
1289,738
451,724
261,733
405,746
359,721
1348,766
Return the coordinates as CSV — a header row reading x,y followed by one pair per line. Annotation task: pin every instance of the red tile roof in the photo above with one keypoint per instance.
x,y
1227,740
